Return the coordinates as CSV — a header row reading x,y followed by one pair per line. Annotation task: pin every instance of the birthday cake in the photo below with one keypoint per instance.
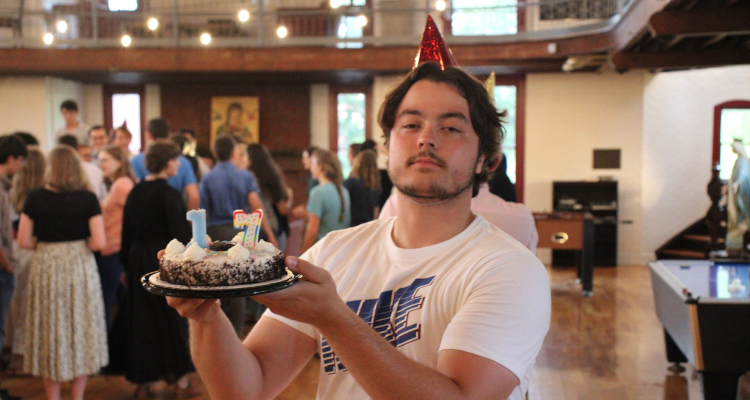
x,y
244,260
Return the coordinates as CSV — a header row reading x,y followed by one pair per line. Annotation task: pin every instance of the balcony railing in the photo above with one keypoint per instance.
x,y
262,23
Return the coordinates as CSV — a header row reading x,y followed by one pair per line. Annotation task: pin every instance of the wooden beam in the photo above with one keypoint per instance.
x,y
282,59
701,22
679,59
713,40
634,24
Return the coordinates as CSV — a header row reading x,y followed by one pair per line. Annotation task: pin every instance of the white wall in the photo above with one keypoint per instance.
x,y
570,115
319,126
24,107
153,102
677,142
380,88
94,104
59,90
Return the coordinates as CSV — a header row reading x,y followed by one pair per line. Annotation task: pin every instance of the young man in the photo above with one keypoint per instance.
x,y
123,137
184,182
223,190
73,126
97,140
436,303
12,154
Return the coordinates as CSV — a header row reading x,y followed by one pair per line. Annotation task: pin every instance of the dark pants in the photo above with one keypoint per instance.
x,y
7,284
110,271
233,307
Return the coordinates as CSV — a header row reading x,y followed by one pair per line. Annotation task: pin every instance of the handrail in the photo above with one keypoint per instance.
x,y
92,26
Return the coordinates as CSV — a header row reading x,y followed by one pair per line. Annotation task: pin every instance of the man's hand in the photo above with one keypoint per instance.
x,y
199,310
313,300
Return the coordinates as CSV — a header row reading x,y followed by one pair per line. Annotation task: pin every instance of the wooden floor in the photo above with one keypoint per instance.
x,y
609,346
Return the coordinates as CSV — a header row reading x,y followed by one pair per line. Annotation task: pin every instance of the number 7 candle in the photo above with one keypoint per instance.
x,y
250,223
198,219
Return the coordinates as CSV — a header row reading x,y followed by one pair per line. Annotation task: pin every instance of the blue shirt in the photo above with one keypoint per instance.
x,y
325,203
224,190
185,174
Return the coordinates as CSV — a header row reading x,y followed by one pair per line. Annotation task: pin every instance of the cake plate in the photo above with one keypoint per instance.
x,y
153,284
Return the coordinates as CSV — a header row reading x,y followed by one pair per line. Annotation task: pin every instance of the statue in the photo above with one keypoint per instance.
x,y
716,217
738,204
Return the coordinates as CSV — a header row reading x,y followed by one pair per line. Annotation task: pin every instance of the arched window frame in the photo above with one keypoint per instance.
x,y
716,155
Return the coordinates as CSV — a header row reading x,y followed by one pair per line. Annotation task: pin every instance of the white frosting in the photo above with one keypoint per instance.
x,y
265,247
238,238
194,253
174,248
208,239
238,252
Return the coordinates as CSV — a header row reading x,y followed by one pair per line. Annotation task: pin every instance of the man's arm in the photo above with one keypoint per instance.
x,y
259,368
193,201
378,367
255,203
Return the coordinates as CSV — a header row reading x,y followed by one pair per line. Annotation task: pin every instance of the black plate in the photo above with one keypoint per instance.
x,y
153,284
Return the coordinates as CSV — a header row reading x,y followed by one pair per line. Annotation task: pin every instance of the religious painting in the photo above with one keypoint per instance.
x,y
238,117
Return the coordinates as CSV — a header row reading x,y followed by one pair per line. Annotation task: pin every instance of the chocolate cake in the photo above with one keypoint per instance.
x,y
223,264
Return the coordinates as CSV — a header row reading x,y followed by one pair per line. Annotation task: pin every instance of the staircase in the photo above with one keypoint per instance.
x,y
693,243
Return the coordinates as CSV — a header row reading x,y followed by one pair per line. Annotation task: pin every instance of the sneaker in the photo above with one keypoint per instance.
x,y
4,395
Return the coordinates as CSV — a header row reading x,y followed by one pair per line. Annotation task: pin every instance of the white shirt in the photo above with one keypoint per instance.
x,y
96,179
514,218
81,132
480,292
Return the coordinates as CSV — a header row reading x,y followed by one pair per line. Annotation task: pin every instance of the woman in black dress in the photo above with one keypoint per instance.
x,y
148,341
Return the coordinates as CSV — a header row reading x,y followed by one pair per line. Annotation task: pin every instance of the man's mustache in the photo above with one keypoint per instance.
x,y
426,154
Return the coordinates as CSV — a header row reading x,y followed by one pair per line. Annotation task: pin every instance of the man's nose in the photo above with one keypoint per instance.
x,y
428,137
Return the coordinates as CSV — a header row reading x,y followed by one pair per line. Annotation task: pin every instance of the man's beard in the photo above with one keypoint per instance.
x,y
435,193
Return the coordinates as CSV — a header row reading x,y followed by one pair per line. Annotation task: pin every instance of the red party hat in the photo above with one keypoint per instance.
x,y
433,47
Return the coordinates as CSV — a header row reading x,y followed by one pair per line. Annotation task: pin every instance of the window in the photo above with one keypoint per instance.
x,y
731,121
505,99
350,27
348,120
351,126
484,17
125,105
510,94
123,5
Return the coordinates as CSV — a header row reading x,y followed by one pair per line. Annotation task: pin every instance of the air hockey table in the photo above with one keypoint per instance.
x,y
704,307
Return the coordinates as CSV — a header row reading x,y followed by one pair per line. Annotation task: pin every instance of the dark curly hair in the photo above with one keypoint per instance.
x,y
485,119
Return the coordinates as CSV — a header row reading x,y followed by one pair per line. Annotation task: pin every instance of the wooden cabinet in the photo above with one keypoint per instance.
x,y
601,200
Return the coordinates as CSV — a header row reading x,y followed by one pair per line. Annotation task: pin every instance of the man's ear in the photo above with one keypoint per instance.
x,y
149,137
495,163
480,164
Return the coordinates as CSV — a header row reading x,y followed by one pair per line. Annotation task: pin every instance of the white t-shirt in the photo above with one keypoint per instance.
x,y
480,292
513,218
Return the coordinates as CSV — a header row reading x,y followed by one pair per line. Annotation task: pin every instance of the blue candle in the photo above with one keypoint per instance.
x,y
198,219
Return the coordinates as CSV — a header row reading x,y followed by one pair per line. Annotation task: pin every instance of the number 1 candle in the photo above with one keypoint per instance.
x,y
198,219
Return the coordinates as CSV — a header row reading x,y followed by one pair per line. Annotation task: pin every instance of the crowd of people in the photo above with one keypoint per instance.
x,y
82,223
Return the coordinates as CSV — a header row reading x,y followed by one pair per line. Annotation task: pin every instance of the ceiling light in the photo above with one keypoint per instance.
x,y
153,23
335,3
440,5
362,20
48,38
244,15
282,32
205,38
126,40
62,26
